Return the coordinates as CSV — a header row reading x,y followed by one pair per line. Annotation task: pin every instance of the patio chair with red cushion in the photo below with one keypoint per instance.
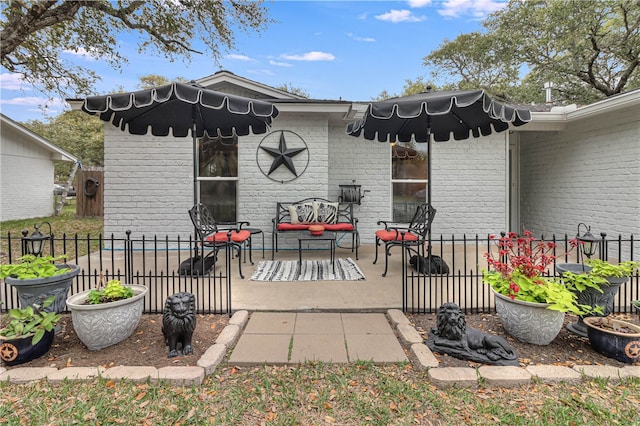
x,y
412,237
216,235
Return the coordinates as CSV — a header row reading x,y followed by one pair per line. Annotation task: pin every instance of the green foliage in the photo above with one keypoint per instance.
x,y
35,33
29,321
539,289
288,87
588,49
112,292
31,266
601,268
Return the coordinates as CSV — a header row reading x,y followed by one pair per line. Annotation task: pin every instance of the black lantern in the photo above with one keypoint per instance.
x,y
34,244
589,242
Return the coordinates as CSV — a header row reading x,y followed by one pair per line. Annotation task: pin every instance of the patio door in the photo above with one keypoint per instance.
x,y
218,176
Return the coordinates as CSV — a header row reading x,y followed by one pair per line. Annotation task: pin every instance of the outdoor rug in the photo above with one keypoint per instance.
x,y
311,270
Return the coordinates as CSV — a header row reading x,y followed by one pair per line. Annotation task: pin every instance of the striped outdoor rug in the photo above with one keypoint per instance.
x,y
311,270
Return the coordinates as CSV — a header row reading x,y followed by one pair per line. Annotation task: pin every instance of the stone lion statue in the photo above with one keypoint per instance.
x,y
178,323
453,337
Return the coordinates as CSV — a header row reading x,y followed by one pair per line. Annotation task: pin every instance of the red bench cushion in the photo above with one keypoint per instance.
x,y
392,235
222,236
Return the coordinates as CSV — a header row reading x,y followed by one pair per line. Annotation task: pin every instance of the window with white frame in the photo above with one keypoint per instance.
x,y
218,176
408,179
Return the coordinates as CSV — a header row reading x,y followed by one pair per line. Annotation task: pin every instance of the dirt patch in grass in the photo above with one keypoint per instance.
x,y
147,347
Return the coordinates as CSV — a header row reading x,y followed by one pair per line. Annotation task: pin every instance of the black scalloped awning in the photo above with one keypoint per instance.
x,y
178,106
461,114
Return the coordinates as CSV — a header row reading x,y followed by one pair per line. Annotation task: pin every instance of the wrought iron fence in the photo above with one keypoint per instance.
x,y
153,263
422,293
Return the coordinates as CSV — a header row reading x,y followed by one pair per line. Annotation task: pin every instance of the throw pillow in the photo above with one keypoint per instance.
x,y
302,213
326,212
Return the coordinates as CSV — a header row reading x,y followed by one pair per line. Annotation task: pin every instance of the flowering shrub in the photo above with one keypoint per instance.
x,y
519,271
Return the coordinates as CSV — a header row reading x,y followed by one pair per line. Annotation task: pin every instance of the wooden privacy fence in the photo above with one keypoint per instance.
x,y
90,193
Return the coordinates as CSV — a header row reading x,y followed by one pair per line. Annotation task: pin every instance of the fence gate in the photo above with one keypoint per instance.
x,y
90,193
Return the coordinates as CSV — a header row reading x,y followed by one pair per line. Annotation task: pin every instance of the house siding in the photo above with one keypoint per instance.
x,y
589,173
26,178
469,186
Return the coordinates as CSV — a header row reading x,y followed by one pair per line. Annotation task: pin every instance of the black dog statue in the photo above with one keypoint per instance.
x,y
430,264
178,323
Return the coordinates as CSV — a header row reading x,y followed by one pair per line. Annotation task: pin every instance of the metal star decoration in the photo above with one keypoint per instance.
x,y
283,155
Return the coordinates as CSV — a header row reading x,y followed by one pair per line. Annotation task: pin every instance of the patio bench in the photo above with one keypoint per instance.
x,y
298,216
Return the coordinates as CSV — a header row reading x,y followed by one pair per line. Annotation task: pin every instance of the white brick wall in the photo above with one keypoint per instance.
x,y
589,173
469,186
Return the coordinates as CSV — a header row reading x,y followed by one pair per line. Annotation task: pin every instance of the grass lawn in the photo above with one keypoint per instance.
x,y
65,225
319,394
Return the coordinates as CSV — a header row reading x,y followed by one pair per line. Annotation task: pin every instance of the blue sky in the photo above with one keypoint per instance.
x,y
351,50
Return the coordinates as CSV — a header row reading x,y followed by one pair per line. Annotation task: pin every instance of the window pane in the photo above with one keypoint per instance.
x,y
218,157
220,198
409,161
406,198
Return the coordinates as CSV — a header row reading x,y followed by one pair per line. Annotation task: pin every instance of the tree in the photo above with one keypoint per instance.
x,y
34,33
77,133
411,87
588,50
288,87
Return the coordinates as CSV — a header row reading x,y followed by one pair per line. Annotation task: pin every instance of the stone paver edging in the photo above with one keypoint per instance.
x,y
441,376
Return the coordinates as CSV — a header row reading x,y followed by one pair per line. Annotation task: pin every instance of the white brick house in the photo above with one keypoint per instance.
x,y
536,176
26,171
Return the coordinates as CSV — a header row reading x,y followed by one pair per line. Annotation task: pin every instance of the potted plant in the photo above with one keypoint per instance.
x,y
27,333
614,338
596,282
105,316
36,278
530,303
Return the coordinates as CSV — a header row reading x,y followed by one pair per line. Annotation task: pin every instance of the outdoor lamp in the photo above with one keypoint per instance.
x,y
34,243
589,242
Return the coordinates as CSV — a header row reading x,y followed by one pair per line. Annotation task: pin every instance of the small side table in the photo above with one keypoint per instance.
x,y
253,231
326,236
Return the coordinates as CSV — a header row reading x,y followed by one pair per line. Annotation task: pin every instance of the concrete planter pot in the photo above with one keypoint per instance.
x,y
527,321
34,290
614,338
591,296
106,324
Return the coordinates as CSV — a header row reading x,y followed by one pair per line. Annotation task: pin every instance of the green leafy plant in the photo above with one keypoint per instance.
x,y
113,291
597,276
602,268
29,321
520,272
31,266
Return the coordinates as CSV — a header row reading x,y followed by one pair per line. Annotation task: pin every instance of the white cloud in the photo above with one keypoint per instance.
x,y
240,57
279,64
476,8
83,53
310,56
11,81
396,16
419,3
358,38
34,101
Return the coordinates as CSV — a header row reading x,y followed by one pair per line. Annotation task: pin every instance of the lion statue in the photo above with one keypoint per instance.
x,y
178,323
453,337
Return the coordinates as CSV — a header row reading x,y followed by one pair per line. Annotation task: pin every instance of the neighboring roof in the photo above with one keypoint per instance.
x,y
60,154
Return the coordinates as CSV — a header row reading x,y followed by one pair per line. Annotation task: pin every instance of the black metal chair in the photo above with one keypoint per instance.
x,y
412,238
218,235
